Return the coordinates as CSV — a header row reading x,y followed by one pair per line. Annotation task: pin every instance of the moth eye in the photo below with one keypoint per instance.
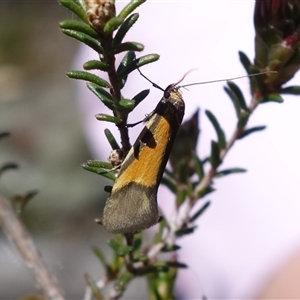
x,y
167,94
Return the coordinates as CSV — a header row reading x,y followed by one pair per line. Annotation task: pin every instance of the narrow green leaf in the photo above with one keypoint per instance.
x,y
251,130
176,264
137,242
271,98
78,26
92,284
102,94
238,94
114,245
245,61
185,231
126,104
84,38
140,97
180,197
111,139
123,281
130,7
127,59
290,90
205,191
198,166
170,248
137,63
95,65
81,3
112,24
200,212
75,8
168,183
88,77
218,129
128,46
215,154
100,171
124,28
243,119
230,171
99,164
100,255
123,250
234,100
108,118
257,81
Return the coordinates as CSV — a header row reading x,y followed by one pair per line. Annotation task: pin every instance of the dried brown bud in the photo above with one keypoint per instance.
x,y
99,12
116,157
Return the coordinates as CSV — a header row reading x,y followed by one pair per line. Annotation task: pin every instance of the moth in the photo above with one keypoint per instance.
x,y
132,204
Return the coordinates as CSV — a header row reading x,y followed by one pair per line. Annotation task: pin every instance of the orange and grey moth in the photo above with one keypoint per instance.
x,y
132,204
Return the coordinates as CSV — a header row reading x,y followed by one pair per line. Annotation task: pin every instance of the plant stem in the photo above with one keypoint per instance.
x,y
17,232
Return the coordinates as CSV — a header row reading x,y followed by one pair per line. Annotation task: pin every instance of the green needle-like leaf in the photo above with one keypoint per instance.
x,y
102,94
99,164
239,95
172,187
170,248
251,130
185,231
245,61
123,250
234,100
111,139
257,81
137,63
123,281
92,284
130,7
84,38
100,256
127,59
199,167
78,26
215,154
126,104
218,129
205,191
200,212
124,28
176,264
230,171
75,8
114,244
290,90
128,46
112,24
88,77
140,97
271,98
100,171
108,118
95,65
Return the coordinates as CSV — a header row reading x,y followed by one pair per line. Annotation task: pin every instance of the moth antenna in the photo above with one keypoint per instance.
x,y
153,83
188,72
229,79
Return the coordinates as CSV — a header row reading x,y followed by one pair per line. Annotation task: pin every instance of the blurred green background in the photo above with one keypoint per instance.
x,y
39,109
